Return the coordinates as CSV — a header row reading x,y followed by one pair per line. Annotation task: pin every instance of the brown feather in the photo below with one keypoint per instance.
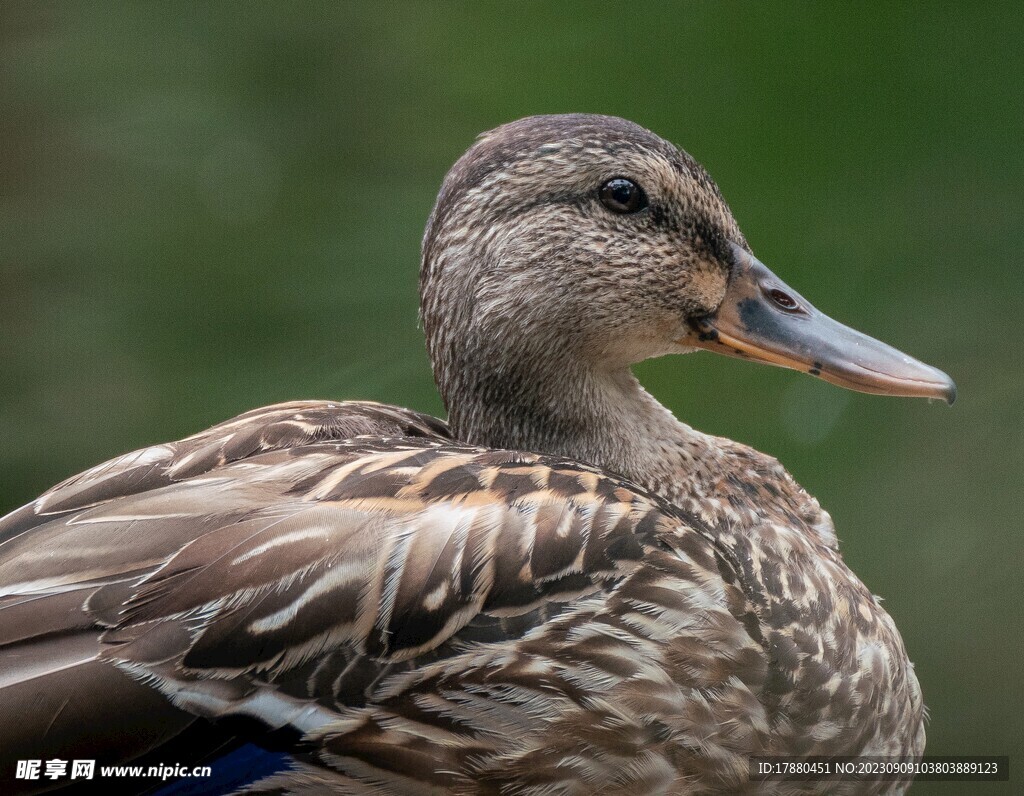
x,y
635,607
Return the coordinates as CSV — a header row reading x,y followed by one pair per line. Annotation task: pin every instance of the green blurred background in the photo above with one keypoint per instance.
x,y
206,208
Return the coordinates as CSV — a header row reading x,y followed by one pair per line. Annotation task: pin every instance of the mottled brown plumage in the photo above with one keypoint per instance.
x,y
563,591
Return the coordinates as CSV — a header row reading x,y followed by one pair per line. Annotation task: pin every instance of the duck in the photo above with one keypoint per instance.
x,y
559,589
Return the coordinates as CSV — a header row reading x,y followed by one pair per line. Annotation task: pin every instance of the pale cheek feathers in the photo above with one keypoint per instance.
x,y
708,282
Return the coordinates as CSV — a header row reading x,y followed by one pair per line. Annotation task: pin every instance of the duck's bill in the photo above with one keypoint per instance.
x,y
764,320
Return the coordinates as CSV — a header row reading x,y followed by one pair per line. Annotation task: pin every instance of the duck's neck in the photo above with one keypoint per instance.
x,y
607,419
603,418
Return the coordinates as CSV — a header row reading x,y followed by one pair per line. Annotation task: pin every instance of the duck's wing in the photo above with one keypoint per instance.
x,y
421,614
97,533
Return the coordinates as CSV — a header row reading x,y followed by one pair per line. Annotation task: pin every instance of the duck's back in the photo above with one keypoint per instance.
x,y
70,560
426,614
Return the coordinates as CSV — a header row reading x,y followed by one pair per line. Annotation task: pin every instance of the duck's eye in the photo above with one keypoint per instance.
x,y
623,196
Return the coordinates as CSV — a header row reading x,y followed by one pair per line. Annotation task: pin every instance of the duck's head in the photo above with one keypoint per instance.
x,y
588,241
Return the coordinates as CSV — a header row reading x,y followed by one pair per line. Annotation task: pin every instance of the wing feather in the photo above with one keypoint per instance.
x,y
350,572
72,561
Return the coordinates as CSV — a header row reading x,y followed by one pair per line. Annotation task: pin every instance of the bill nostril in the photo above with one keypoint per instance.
x,y
782,299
